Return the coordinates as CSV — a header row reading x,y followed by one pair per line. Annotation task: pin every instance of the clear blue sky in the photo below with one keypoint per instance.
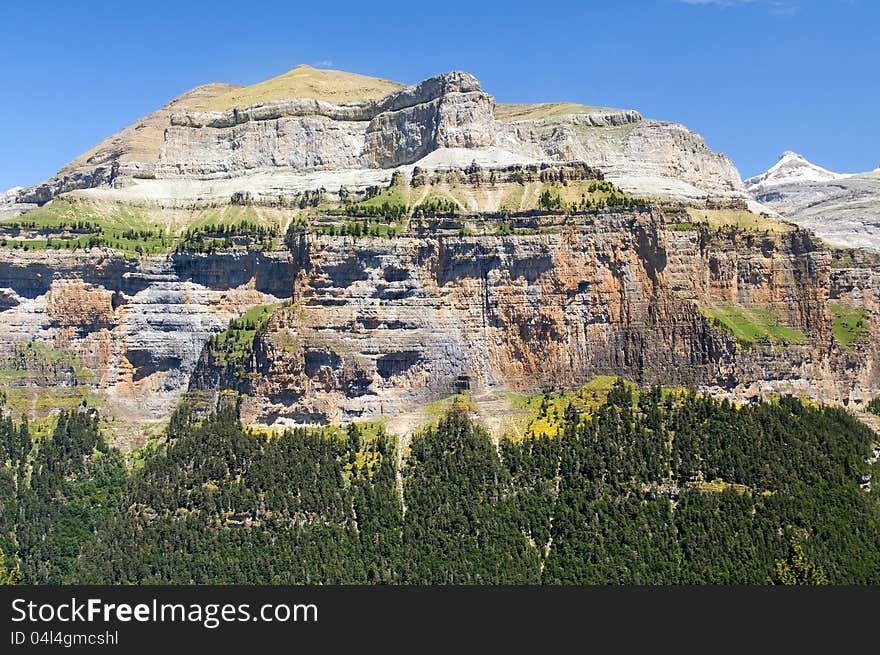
x,y
754,77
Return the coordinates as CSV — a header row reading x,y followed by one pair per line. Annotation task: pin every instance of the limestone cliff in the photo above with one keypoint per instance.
x,y
308,127
377,326
137,326
370,327
646,157
308,134
377,246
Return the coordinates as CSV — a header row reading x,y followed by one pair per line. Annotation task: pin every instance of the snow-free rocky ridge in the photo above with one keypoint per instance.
x,y
317,127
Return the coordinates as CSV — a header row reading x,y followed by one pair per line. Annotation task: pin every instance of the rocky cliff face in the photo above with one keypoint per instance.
x,y
447,120
138,326
501,271
307,134
373,327
9,205
377,326
641,156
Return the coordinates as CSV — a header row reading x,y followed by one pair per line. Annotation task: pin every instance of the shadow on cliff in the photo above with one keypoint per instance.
x,y
271,275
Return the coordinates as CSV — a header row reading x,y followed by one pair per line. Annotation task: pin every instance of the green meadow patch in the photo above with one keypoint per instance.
x,y
848,324
750,325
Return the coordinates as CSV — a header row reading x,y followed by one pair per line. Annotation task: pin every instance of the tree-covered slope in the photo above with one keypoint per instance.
x,y
649,487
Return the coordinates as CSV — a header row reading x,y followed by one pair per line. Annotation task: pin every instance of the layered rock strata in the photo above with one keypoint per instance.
x,y
180,153
377,325
138,326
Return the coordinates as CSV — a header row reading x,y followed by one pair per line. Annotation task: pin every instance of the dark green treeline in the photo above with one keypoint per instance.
x,y
617,498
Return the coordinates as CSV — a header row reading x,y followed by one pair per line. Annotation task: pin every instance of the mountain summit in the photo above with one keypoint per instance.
x,y
304,81
315,128
330,247
792,168
840,207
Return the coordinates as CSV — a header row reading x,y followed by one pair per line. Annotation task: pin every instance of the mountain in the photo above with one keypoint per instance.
x,y
333,248
843,209
791,168
343,330
10,194
337,87
313,127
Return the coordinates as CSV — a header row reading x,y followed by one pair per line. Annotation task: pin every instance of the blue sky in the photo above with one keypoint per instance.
x,y
753,77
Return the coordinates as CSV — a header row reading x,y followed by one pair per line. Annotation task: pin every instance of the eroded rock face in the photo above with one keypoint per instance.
x,y
454,120
641,156
378,326
88,179
137,325
449,110
447,120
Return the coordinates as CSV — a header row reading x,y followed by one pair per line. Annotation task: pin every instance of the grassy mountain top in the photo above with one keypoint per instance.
x,y
305,82
530,112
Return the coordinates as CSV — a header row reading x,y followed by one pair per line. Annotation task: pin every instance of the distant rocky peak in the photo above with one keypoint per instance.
x,y
792,168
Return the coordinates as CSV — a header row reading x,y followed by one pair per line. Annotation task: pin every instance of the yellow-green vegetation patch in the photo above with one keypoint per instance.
x,y
331,86
599,387
368,431
135,229
67,225
543,110
225,235
39,402
739,218
12,375
37,362
582,195
138,457
41,427
443,199
718,487
848,323
232,215
400,199
64,212
436,409
363,460
541,415
574,195
750,325
398,192
684,226
512,199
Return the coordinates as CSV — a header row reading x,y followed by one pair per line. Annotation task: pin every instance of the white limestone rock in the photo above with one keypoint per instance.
x,y
841,208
